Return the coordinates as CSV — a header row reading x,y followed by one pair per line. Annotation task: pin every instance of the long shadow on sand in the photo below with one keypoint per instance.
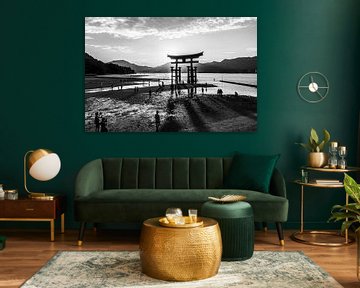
x,y
206,109
237,107
170,125
196,120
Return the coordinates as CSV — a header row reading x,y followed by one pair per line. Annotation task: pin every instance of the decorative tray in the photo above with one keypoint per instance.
x,y
228,198
165,222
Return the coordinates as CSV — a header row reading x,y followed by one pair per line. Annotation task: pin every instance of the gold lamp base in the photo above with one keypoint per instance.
x,y
41,196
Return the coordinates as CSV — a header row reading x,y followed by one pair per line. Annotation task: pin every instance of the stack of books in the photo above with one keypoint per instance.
x,y
327,181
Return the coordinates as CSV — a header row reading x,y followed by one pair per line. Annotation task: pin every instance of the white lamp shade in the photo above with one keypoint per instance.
x,y
46,168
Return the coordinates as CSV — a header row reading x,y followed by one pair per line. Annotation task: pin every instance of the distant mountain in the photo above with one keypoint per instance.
x,y
136,68
94,66
165,68
236,65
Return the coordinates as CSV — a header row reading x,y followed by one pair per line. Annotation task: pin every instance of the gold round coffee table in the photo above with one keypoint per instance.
x,y
180,254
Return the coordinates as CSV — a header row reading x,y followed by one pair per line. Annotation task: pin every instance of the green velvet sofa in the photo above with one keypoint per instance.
x,y
130,190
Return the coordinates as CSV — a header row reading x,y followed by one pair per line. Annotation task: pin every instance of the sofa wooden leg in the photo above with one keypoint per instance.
x,y
81,233
95,227
265,227
280,233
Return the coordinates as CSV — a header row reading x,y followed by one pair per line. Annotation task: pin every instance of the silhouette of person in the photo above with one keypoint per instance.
x,y
103,125
157,121
97,122
202,90
236,94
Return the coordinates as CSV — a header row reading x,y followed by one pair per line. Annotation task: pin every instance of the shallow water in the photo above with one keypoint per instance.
x,y
210,78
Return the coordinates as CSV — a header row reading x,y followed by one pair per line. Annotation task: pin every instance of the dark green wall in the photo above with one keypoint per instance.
x,y
42,46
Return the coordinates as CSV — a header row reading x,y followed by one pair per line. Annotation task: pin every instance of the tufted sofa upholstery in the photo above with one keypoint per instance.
x,y
131,190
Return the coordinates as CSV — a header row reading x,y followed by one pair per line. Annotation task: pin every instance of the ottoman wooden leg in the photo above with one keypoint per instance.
x,y
96,227
265,227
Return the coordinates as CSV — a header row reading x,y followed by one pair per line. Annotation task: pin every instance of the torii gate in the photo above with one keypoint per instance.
x,y
191,70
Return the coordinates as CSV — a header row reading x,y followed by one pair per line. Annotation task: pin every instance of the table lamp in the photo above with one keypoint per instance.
x,y
43,165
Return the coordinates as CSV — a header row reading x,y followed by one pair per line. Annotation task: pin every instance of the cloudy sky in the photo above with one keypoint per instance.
x,y
148,40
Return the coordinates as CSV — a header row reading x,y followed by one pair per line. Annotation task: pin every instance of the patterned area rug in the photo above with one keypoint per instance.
x,y
122,269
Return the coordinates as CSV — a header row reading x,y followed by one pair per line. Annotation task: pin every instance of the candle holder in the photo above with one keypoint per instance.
x,y
342,154
333,162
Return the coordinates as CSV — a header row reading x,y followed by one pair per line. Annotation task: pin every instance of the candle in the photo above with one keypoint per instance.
x,y
342,149
333,144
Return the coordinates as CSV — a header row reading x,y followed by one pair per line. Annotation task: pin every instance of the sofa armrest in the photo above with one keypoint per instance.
x,y
277,184
89,179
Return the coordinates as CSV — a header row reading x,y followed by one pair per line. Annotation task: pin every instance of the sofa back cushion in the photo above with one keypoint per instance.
x,y
165,173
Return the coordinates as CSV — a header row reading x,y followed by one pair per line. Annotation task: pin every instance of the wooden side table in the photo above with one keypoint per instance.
x,y
26,209
297,236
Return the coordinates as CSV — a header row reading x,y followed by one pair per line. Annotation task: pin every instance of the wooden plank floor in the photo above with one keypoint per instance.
x,y
28,250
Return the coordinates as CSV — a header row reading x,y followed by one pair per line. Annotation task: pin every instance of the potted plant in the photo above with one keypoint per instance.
x,y
350,214
317,157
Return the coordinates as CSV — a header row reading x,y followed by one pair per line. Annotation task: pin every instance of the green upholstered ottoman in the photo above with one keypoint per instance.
x,y
236,221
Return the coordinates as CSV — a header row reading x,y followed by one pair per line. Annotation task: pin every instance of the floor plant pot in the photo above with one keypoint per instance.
x,y
317,159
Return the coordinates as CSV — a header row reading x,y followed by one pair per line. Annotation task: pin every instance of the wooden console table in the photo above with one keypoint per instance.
x,y
26,209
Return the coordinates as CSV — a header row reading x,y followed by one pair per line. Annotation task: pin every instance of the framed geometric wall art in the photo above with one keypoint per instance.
x,y
170,74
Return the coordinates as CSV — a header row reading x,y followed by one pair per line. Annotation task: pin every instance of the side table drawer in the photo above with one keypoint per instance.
x,y
29,209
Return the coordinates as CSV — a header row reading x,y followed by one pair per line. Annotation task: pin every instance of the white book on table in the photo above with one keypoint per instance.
x,y
327,181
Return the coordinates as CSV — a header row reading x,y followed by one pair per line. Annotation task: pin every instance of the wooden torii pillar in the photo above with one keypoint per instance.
x,y
191,70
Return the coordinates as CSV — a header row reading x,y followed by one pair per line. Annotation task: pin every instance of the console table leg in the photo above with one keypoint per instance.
x,y
346,230
63,223
52,230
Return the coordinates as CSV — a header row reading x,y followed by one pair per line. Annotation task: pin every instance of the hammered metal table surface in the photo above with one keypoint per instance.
x,y
185,254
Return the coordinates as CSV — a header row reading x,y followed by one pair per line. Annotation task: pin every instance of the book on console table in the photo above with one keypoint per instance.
x,y
327,181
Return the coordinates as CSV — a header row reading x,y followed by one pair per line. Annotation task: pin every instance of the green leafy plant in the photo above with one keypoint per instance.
x,y
349,214
314,144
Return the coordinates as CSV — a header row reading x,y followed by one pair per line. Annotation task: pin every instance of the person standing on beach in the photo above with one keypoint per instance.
x,y
157,121
97,122
103,125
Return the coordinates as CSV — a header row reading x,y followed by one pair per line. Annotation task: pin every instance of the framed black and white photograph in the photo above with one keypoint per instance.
x,y
170,74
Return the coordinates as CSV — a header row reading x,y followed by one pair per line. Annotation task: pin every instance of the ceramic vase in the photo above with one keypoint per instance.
x,y
317,159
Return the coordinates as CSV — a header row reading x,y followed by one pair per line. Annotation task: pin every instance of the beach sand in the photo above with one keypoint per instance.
x,y
127,111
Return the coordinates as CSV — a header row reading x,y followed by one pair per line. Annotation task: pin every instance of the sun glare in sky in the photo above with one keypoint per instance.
x,y
148,40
